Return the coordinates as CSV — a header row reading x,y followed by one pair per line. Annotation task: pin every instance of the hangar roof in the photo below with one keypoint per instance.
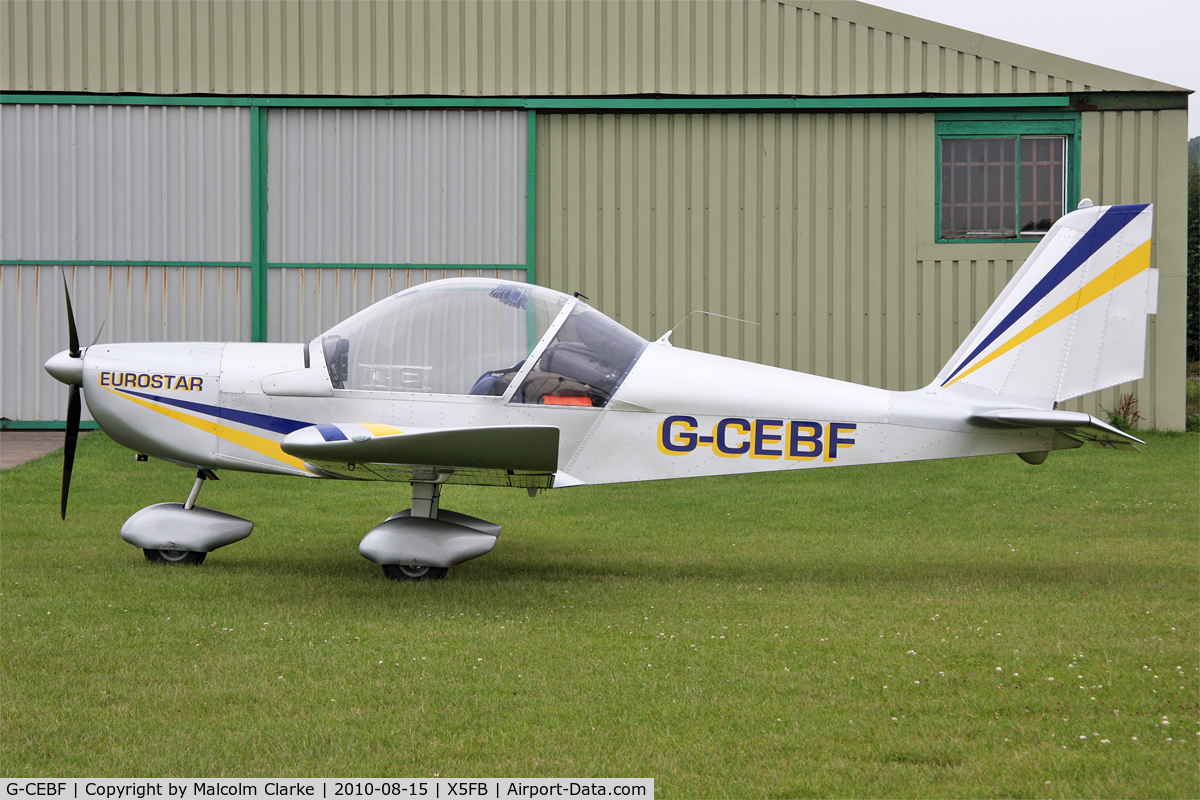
x,y
516,48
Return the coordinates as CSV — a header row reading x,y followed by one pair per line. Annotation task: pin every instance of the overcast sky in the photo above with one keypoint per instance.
x,y
1157,39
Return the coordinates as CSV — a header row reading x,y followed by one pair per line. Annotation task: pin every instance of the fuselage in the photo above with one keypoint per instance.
x,y
676,413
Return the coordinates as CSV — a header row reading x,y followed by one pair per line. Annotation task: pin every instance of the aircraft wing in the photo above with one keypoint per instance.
x,y
1076,424
523,456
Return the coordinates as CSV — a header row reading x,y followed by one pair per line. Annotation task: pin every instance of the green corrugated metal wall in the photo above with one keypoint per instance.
x,y
1139,157
509,48
770,218
819,227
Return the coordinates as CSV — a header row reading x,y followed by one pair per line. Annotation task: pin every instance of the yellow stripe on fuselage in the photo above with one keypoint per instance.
x,y
1131,265
258,444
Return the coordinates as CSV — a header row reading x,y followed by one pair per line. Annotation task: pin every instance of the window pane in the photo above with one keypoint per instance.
x,y
978,187
1043,190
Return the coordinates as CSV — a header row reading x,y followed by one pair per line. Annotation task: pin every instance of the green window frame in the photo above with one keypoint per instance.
x,y
1009,141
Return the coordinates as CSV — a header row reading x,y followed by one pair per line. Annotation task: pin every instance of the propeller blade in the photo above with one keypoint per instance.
x,y
74,334
73,409
99,332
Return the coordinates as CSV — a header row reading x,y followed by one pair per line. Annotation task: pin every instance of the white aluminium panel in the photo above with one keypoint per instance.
x,y
124,183
396,186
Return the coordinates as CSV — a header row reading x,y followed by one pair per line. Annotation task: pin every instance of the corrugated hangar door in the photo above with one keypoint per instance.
x,y
151,211
145,208
365,202
800,224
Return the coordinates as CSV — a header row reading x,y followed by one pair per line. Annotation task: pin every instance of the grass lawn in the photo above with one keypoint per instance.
x,y
942,629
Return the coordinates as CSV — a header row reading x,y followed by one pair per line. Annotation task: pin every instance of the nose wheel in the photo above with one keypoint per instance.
x,y
413,572
174,557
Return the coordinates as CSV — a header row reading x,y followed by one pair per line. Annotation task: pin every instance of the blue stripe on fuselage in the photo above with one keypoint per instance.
x,y
263,421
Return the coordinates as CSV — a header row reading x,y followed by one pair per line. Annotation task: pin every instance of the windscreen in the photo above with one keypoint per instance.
x,y
584,364
445,337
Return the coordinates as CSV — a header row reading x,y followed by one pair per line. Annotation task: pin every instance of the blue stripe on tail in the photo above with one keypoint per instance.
x,y
1108,226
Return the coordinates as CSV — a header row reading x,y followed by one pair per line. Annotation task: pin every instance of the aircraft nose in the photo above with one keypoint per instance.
x,y
65,368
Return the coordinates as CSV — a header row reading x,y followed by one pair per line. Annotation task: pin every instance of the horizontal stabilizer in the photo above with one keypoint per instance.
x,y
1075,424
525,448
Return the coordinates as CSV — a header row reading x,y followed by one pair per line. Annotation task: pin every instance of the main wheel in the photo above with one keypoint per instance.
x,y
414,572
175,557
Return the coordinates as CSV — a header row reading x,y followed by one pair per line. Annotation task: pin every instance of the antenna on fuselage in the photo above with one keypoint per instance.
x,y
665,338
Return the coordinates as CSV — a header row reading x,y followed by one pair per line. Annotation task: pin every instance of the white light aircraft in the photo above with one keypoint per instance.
x,y
489,382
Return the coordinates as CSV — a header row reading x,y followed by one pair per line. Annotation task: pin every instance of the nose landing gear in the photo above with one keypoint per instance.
x,y
184,533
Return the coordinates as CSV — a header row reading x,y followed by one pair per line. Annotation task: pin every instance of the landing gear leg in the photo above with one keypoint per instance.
x,y
202,475
426,499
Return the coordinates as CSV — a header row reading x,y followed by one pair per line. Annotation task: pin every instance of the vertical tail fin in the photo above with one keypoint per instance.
x,y
1073,318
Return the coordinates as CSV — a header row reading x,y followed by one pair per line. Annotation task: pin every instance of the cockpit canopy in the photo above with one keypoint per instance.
x,y
476,336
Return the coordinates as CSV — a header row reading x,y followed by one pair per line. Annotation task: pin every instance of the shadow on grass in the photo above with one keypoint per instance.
x,y
350,575
1086,576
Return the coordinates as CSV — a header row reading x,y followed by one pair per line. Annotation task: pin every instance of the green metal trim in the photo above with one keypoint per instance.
x,y
793,103
1032,238
948,117
1130,101
531,222
266,102
858,103
1075,175
258,224
123,100
348,265
980,125
395,102
531,198
44,425
25,262
990,130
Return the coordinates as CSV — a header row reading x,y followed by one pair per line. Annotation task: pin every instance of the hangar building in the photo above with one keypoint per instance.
x,y
859,183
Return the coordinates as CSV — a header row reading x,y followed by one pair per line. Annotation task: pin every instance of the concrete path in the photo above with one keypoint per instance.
x,y
17,447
